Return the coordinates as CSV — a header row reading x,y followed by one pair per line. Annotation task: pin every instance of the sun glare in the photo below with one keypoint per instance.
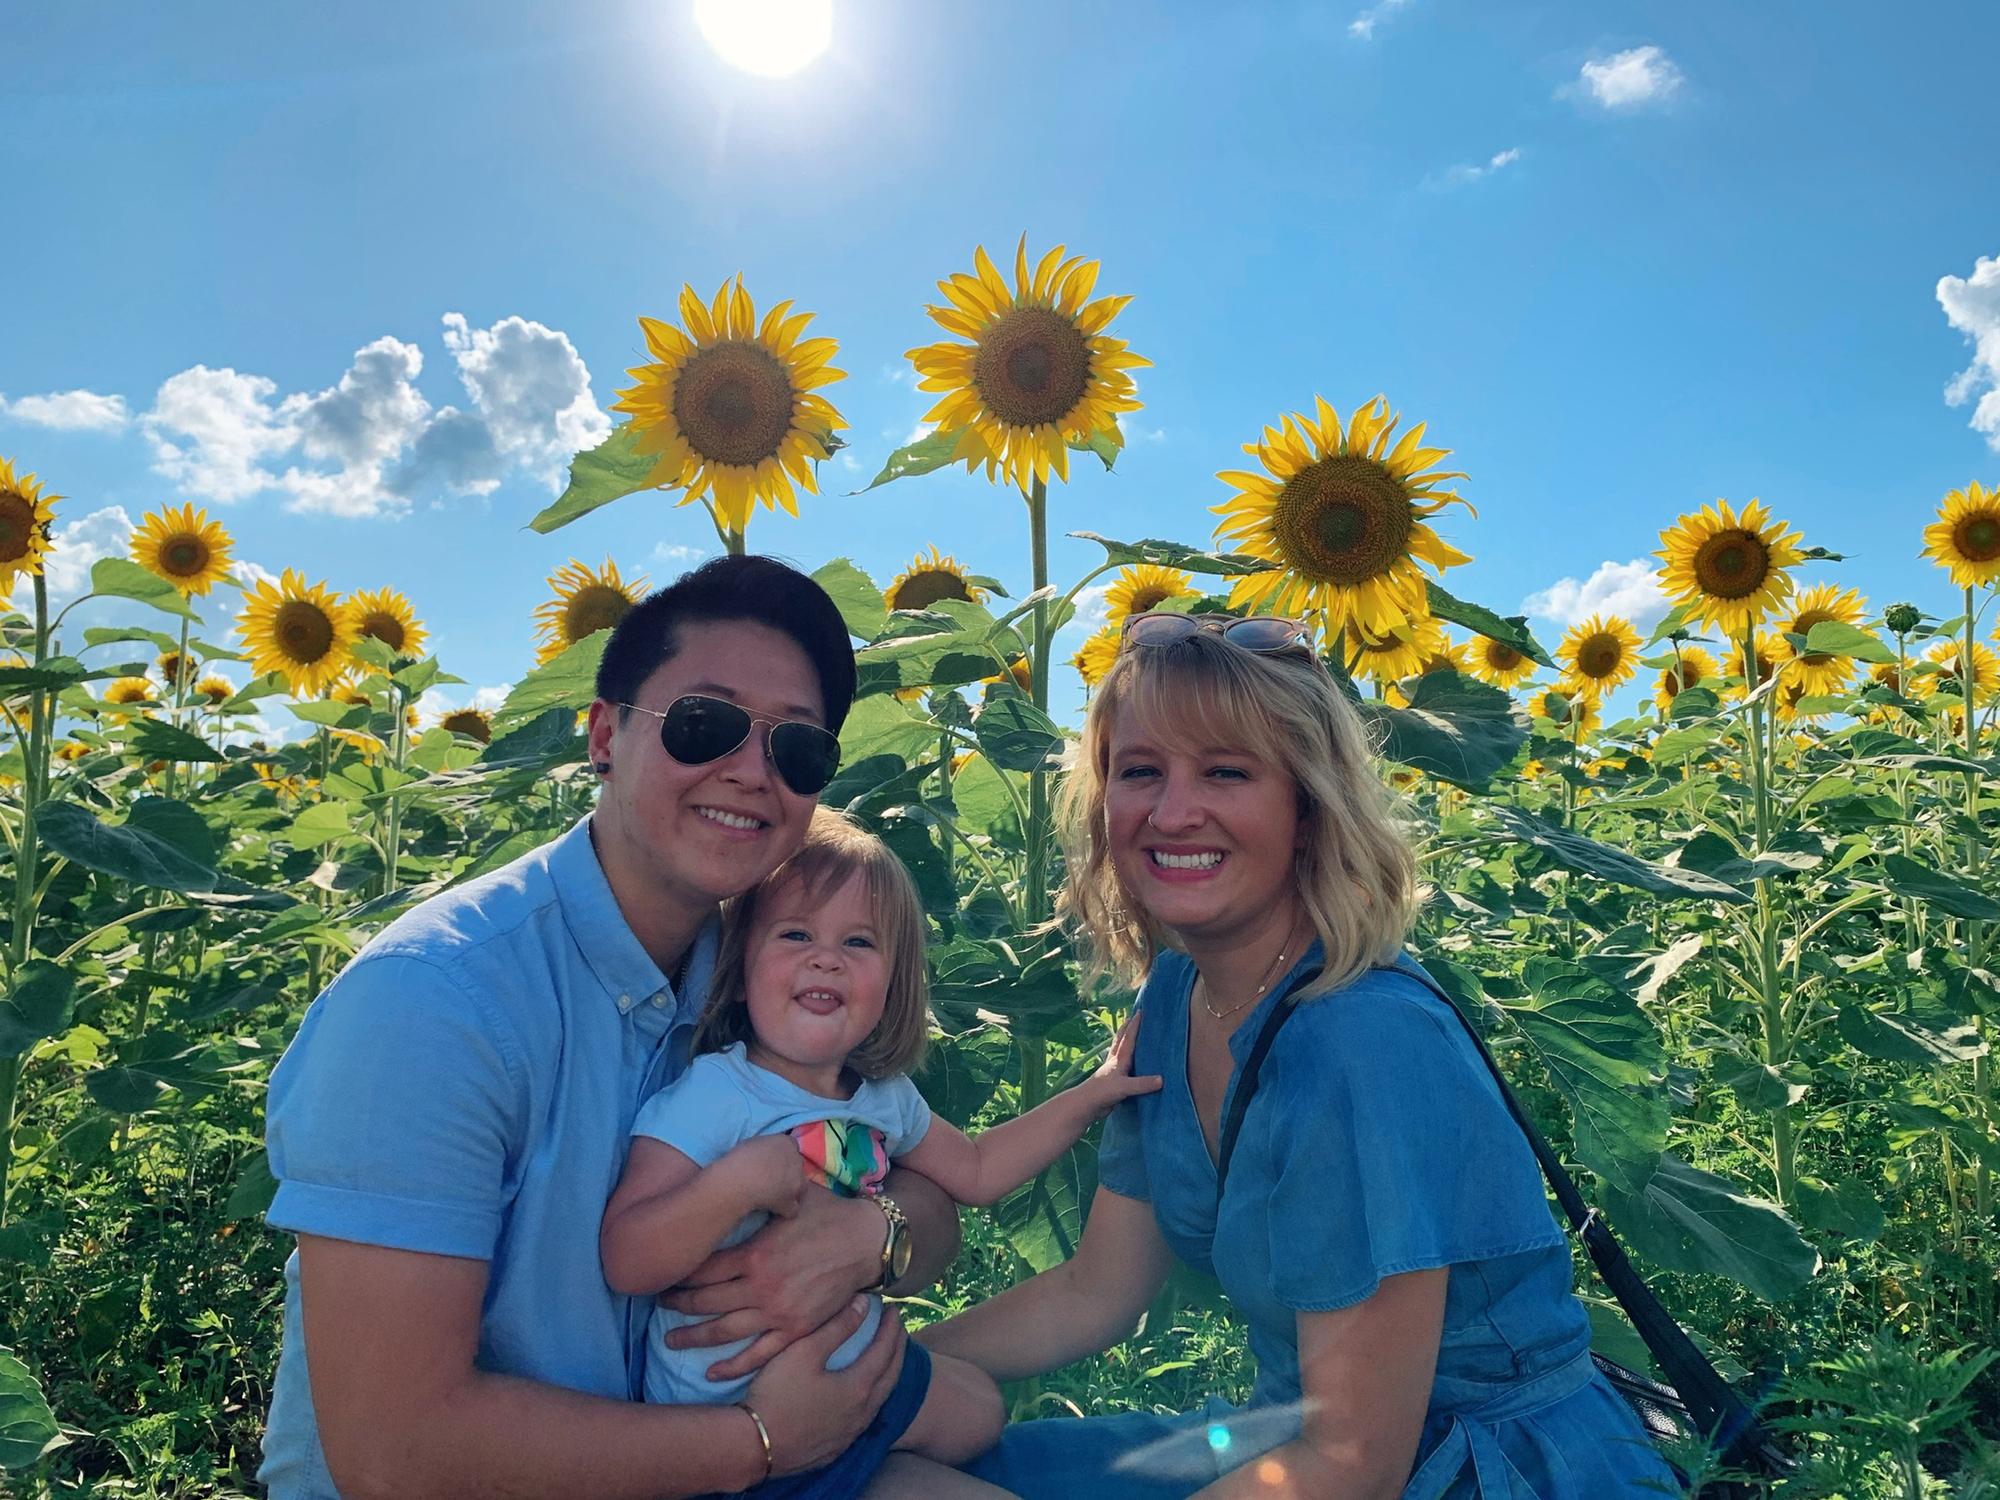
x,y
769,37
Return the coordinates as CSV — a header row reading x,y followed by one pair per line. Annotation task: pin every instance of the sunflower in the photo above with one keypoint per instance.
x,y
1818,672
216,689
1965,538
728,404
127,691
1342,514
184,547
72,750
1020,670
349,693
1567,710
1499,663
1950,675
1730,569
385,615
276,779
1447,656
1785,703
1767,661
1039,373
585,603
171,665
302,630
1394,654
1144,586
26,510
1696,668
1598,655
470,722
929,579
369,745
1095,656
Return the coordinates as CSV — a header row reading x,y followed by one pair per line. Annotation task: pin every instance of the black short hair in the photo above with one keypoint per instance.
x,y
733,587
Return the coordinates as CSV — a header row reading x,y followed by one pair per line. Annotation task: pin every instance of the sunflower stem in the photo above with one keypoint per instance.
x,y
399,702
1771,1005
34,787
1975,932
180,689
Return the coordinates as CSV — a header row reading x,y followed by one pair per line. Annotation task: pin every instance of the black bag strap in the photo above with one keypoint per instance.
x,y
1722,1415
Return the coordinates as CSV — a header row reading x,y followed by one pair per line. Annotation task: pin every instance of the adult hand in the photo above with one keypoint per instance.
x,y
782,1283
814,1414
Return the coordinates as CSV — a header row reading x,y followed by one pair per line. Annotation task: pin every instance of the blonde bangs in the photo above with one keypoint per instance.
x,y
1356,873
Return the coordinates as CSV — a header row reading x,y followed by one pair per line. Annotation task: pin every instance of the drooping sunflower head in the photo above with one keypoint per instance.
x,y
215,689
1499,663
385,615
172,666
473,723
1694,668
1729,568
277,779
730,405
1020,671
1786,703
26,511
586,601
1965,538
1753,673
1396,653
351,693
928,579
1038,371
1144,586
302,630
1818,672
1343,515
184,547
1095,656
1598,655
1572,713
128,697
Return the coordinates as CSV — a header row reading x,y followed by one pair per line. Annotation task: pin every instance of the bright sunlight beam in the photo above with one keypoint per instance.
x,y
770,37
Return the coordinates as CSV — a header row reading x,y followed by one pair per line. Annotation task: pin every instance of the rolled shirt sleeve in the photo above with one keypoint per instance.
x,y
397,1125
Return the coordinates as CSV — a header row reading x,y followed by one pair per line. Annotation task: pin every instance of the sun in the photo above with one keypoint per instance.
x,y
771,38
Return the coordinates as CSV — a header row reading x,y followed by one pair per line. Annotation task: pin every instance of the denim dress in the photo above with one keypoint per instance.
x,y
1376,1143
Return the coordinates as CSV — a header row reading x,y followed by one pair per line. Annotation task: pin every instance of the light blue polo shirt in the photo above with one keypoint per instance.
x,y
467,1087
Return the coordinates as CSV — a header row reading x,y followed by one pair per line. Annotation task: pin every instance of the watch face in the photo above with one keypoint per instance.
x,y
899,1254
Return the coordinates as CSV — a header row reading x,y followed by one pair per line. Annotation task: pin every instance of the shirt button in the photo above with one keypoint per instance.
x,y
624,1004
659,999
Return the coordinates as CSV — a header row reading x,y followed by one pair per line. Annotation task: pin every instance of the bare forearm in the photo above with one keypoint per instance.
x,y
656,1242
1300,1471
1013,1152
934,1230
513,1439
1044,1323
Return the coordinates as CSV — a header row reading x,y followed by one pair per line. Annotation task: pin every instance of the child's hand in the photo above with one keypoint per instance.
x,y
1113,1081
770,1172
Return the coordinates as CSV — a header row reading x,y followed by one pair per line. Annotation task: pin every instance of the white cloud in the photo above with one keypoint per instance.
x,y
68,411
1631,589
371,443
437,702
1363,26
917,433
901,374
1469,172
1630,79
1153,435
1972,306
246,575
676,552
79,545
1091,610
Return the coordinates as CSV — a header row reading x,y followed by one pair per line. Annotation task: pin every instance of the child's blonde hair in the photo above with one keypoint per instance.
x,y
835,851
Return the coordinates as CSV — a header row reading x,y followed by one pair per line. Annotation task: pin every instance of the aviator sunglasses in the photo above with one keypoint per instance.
x,y
1163,627
697,729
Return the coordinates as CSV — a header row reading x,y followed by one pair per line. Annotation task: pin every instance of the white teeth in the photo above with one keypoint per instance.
x,y
727,819
1204,861
820,995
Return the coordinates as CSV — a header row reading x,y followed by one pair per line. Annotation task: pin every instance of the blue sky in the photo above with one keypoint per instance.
x,y
353,276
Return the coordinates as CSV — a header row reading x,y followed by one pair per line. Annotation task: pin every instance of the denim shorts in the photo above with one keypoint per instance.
x,y
848,1475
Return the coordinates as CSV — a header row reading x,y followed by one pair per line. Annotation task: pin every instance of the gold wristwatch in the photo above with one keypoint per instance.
x,y
895,1246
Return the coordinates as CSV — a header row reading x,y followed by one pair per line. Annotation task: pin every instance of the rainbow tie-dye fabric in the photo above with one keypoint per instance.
x,y
844,1155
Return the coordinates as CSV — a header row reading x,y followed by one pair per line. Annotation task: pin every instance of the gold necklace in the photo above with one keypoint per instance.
x,y
1255,995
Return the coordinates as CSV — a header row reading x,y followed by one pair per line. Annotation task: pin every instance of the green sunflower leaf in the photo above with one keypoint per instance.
x,y
130,853
122,578
861,605
1587,856
1512,630
1456,728
930,452
28,1429
151,739
569,681
1908,878
1837,638
1689,1220
1106,443
612,470
1176,555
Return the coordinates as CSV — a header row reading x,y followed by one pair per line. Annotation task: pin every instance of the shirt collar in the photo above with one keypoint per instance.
x,y
613,951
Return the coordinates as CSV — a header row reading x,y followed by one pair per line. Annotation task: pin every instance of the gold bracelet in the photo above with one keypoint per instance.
x,y
763,1434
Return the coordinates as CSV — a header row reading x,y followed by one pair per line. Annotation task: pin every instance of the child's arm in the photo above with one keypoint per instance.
x,y
669,1214
983,1169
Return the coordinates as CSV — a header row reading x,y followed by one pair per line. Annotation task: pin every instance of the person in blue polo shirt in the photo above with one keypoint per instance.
x,y
453,1114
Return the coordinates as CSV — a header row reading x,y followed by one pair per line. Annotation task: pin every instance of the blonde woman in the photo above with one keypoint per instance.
x,y
1383,1230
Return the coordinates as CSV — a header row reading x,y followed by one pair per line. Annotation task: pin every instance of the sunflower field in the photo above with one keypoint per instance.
x,y
1736,947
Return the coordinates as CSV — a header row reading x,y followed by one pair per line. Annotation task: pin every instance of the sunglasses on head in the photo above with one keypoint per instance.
x,y
1163,627
698,729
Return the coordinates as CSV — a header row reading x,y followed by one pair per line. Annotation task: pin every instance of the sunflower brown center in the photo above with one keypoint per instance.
x,y
1732,564
1803,625
733,403
184,556
470,724
1343,520
17,527
922,590
594,607
1152,596
1599,656
1501,657
303,631
385,628
1032,368
1977,537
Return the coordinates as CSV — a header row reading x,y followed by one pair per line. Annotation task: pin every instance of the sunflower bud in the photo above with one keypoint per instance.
x,y
1902,618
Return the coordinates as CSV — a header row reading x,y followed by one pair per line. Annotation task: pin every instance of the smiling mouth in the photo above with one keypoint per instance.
x,y
742,822
1208,859
819,1002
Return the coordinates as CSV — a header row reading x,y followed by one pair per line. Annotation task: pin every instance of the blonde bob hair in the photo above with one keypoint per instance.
x,y
835,851
1355,872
